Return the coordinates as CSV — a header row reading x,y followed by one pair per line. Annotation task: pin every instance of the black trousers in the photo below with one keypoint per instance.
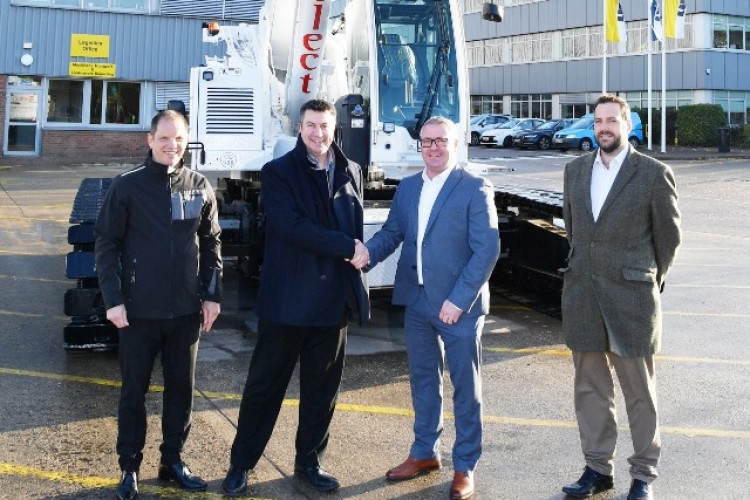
x,y
177,340
320,351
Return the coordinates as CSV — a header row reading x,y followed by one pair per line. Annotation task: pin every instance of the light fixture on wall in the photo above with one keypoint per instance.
x,y
27,59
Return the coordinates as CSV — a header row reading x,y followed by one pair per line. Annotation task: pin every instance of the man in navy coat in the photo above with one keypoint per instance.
x,y
446,219
313,204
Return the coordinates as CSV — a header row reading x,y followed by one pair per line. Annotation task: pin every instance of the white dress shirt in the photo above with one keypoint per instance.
x,y
602,178
430,190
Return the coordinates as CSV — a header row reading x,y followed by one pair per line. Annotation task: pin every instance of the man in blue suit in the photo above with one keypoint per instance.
x,y
447,222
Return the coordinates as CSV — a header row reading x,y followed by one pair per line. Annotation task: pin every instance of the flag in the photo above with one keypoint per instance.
x,y
674,18
621,24
679,31
615,21
657,30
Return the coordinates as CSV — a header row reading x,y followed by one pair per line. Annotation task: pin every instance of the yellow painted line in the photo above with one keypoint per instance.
x,y
91,482
735,287
393,411
4,312
28,278
38,252
46,219
708,315
566,352
25,315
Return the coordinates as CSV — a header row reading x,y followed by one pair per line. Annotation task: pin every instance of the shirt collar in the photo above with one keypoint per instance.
x,y
615,162
316,166
441,177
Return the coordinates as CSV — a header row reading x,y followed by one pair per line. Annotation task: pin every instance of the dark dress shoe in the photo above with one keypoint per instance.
x,y
640,490
180,474
590,482
236,481
412,467
317,478
462,486
128,489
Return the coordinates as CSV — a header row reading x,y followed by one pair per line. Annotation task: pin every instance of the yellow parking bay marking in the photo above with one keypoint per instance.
x,y
29,278
102,482
384,410
566,352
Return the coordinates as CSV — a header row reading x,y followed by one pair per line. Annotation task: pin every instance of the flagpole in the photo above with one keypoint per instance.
x,y
663,94
650,44
604,47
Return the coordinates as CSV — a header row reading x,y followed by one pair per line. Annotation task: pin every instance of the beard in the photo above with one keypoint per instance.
x,y
616,144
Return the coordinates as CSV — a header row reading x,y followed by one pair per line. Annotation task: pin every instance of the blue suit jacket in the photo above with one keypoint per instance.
x,y
459,249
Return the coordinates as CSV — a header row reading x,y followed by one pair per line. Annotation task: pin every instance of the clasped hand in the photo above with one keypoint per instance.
x,y
361,256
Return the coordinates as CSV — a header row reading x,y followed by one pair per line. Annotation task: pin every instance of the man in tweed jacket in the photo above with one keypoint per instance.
x,y
623,226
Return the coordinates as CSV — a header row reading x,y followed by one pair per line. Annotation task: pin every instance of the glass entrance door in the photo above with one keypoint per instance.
x,y
23,112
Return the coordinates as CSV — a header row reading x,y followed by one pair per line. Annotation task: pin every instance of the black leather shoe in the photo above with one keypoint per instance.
x,y
317,478
180,474
640,490
236,481
128,489
590,482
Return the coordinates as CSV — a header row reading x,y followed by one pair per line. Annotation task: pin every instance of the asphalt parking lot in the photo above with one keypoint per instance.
x,y
57,423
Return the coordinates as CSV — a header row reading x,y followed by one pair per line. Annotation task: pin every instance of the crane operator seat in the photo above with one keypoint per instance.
x,y
399,73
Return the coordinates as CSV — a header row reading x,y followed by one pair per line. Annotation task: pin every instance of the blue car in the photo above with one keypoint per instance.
x,y
580,135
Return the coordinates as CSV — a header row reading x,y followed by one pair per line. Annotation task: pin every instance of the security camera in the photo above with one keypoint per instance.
x,y
492,12
708,71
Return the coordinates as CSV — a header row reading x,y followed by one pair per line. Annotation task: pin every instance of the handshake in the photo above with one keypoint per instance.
x,y
361,256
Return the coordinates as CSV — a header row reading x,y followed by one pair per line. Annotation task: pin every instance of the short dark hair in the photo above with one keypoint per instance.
x,y
167,114
317,105
610,98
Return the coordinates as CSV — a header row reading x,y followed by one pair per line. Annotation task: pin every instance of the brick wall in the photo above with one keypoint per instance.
x,y
92,145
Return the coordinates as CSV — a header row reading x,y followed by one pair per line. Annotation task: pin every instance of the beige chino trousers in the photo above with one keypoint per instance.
x,y
594,398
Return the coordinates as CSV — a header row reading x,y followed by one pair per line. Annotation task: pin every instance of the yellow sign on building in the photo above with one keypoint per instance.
x,y
89,45
92,70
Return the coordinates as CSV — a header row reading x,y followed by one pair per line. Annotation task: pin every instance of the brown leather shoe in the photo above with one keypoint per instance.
x,y
412,467
462,486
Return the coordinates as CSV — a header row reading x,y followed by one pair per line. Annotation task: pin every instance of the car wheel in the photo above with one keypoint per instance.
x,y
563,150
634,141
474,138
507,142
544,142
586,145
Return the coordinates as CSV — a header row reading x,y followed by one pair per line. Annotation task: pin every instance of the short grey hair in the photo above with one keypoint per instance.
x,y
441,120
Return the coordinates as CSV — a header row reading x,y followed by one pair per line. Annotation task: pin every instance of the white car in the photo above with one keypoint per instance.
x,y
503,134
480,123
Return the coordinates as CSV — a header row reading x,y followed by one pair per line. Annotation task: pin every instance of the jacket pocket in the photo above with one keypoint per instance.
x,y
632,274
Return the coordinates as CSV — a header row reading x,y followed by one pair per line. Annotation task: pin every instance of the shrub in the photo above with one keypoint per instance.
x,y
697,124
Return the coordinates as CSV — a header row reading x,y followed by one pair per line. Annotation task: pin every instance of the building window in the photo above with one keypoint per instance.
x,y
731,33
94,102
531,106
65,101
121,105
486,104
140,6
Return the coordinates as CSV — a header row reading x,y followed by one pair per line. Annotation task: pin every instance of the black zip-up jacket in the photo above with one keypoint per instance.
x,y
157,242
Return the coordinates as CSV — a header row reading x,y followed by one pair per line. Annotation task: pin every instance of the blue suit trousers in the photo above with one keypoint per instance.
x,y
429,342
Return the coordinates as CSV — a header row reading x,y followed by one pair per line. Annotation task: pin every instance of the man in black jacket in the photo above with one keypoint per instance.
x,y
158,259
313,203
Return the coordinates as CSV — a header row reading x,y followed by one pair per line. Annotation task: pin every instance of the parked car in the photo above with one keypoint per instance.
x,y
580,135
501,136
541,137
480,123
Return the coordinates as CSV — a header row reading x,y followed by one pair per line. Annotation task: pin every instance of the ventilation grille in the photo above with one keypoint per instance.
x,y
230,111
